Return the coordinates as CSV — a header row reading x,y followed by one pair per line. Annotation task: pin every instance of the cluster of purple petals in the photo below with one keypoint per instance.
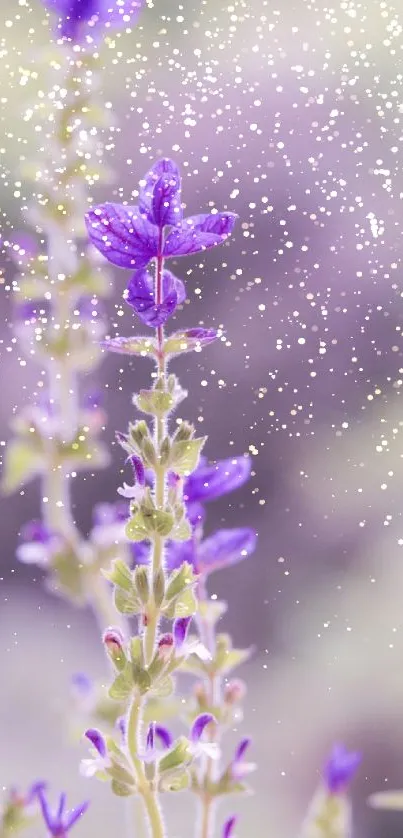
x,y
131,236
223,548
79,20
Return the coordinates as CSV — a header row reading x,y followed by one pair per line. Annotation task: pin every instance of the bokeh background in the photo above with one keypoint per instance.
x,y
290,115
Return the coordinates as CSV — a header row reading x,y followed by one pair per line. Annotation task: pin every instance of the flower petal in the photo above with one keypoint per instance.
x,y
199,725
141,297
209,482
178,552
199,232
75,815
164,736
228,827
180,630
340,768
225,548
97,740
160,194
122,235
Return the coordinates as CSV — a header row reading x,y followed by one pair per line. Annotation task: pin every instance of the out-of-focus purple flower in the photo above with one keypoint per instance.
x,y
340,769
229,826
26,800
160,194
239,769
109,524
32,310
225,548
78,19
83,692
209,482
93,400
59,822
89,308
24,248
140,296
222,549
38,545
209,749
130,237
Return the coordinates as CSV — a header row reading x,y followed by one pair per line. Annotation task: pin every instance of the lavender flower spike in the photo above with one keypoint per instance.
x,y
60,822
340,769
79,19
130,237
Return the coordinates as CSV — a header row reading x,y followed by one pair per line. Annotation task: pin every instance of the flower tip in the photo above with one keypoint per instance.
x,y
229,826
200,724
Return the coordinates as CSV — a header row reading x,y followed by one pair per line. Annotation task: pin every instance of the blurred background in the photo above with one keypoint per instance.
x,y
290,115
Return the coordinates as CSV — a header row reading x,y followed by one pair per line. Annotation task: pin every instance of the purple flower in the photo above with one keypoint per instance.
x,y
340,769
161,733
131,236
225,548
209,482
32,310
141,297
39,544
160,194
97,740
229,826
59,822
105,514
238,768
199,726
79,19
81,684
222,549
180,630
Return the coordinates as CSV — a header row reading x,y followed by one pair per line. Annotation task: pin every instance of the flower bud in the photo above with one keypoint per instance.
x,y
165,646
184,432
234,691
114,643
200,694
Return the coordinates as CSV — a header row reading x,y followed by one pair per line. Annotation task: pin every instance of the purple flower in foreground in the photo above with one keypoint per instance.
x,y
100,760
78,19
140,296
130,236
209,482
59,822
340,769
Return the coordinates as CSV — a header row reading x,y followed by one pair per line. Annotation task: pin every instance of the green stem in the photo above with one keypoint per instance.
x,y
214,690
146,791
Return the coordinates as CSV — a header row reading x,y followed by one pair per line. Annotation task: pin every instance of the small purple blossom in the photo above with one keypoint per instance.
x,y
199,726
59,822
138,470
209,482
229,826
81,684
340,769
156,732
38,544
180,630
140,296
97,740
81,19
238,768
225,548
130,236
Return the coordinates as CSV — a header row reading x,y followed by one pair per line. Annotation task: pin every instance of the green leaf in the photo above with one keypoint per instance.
x,y
120,789
141,583
119,773
120,575
126,603
180,579
156,402
135,529
179,756
176,782
136,650
185,455
22,463
140,677
185,604
122,686
164,688
143,346
157,521
180,342
181,531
